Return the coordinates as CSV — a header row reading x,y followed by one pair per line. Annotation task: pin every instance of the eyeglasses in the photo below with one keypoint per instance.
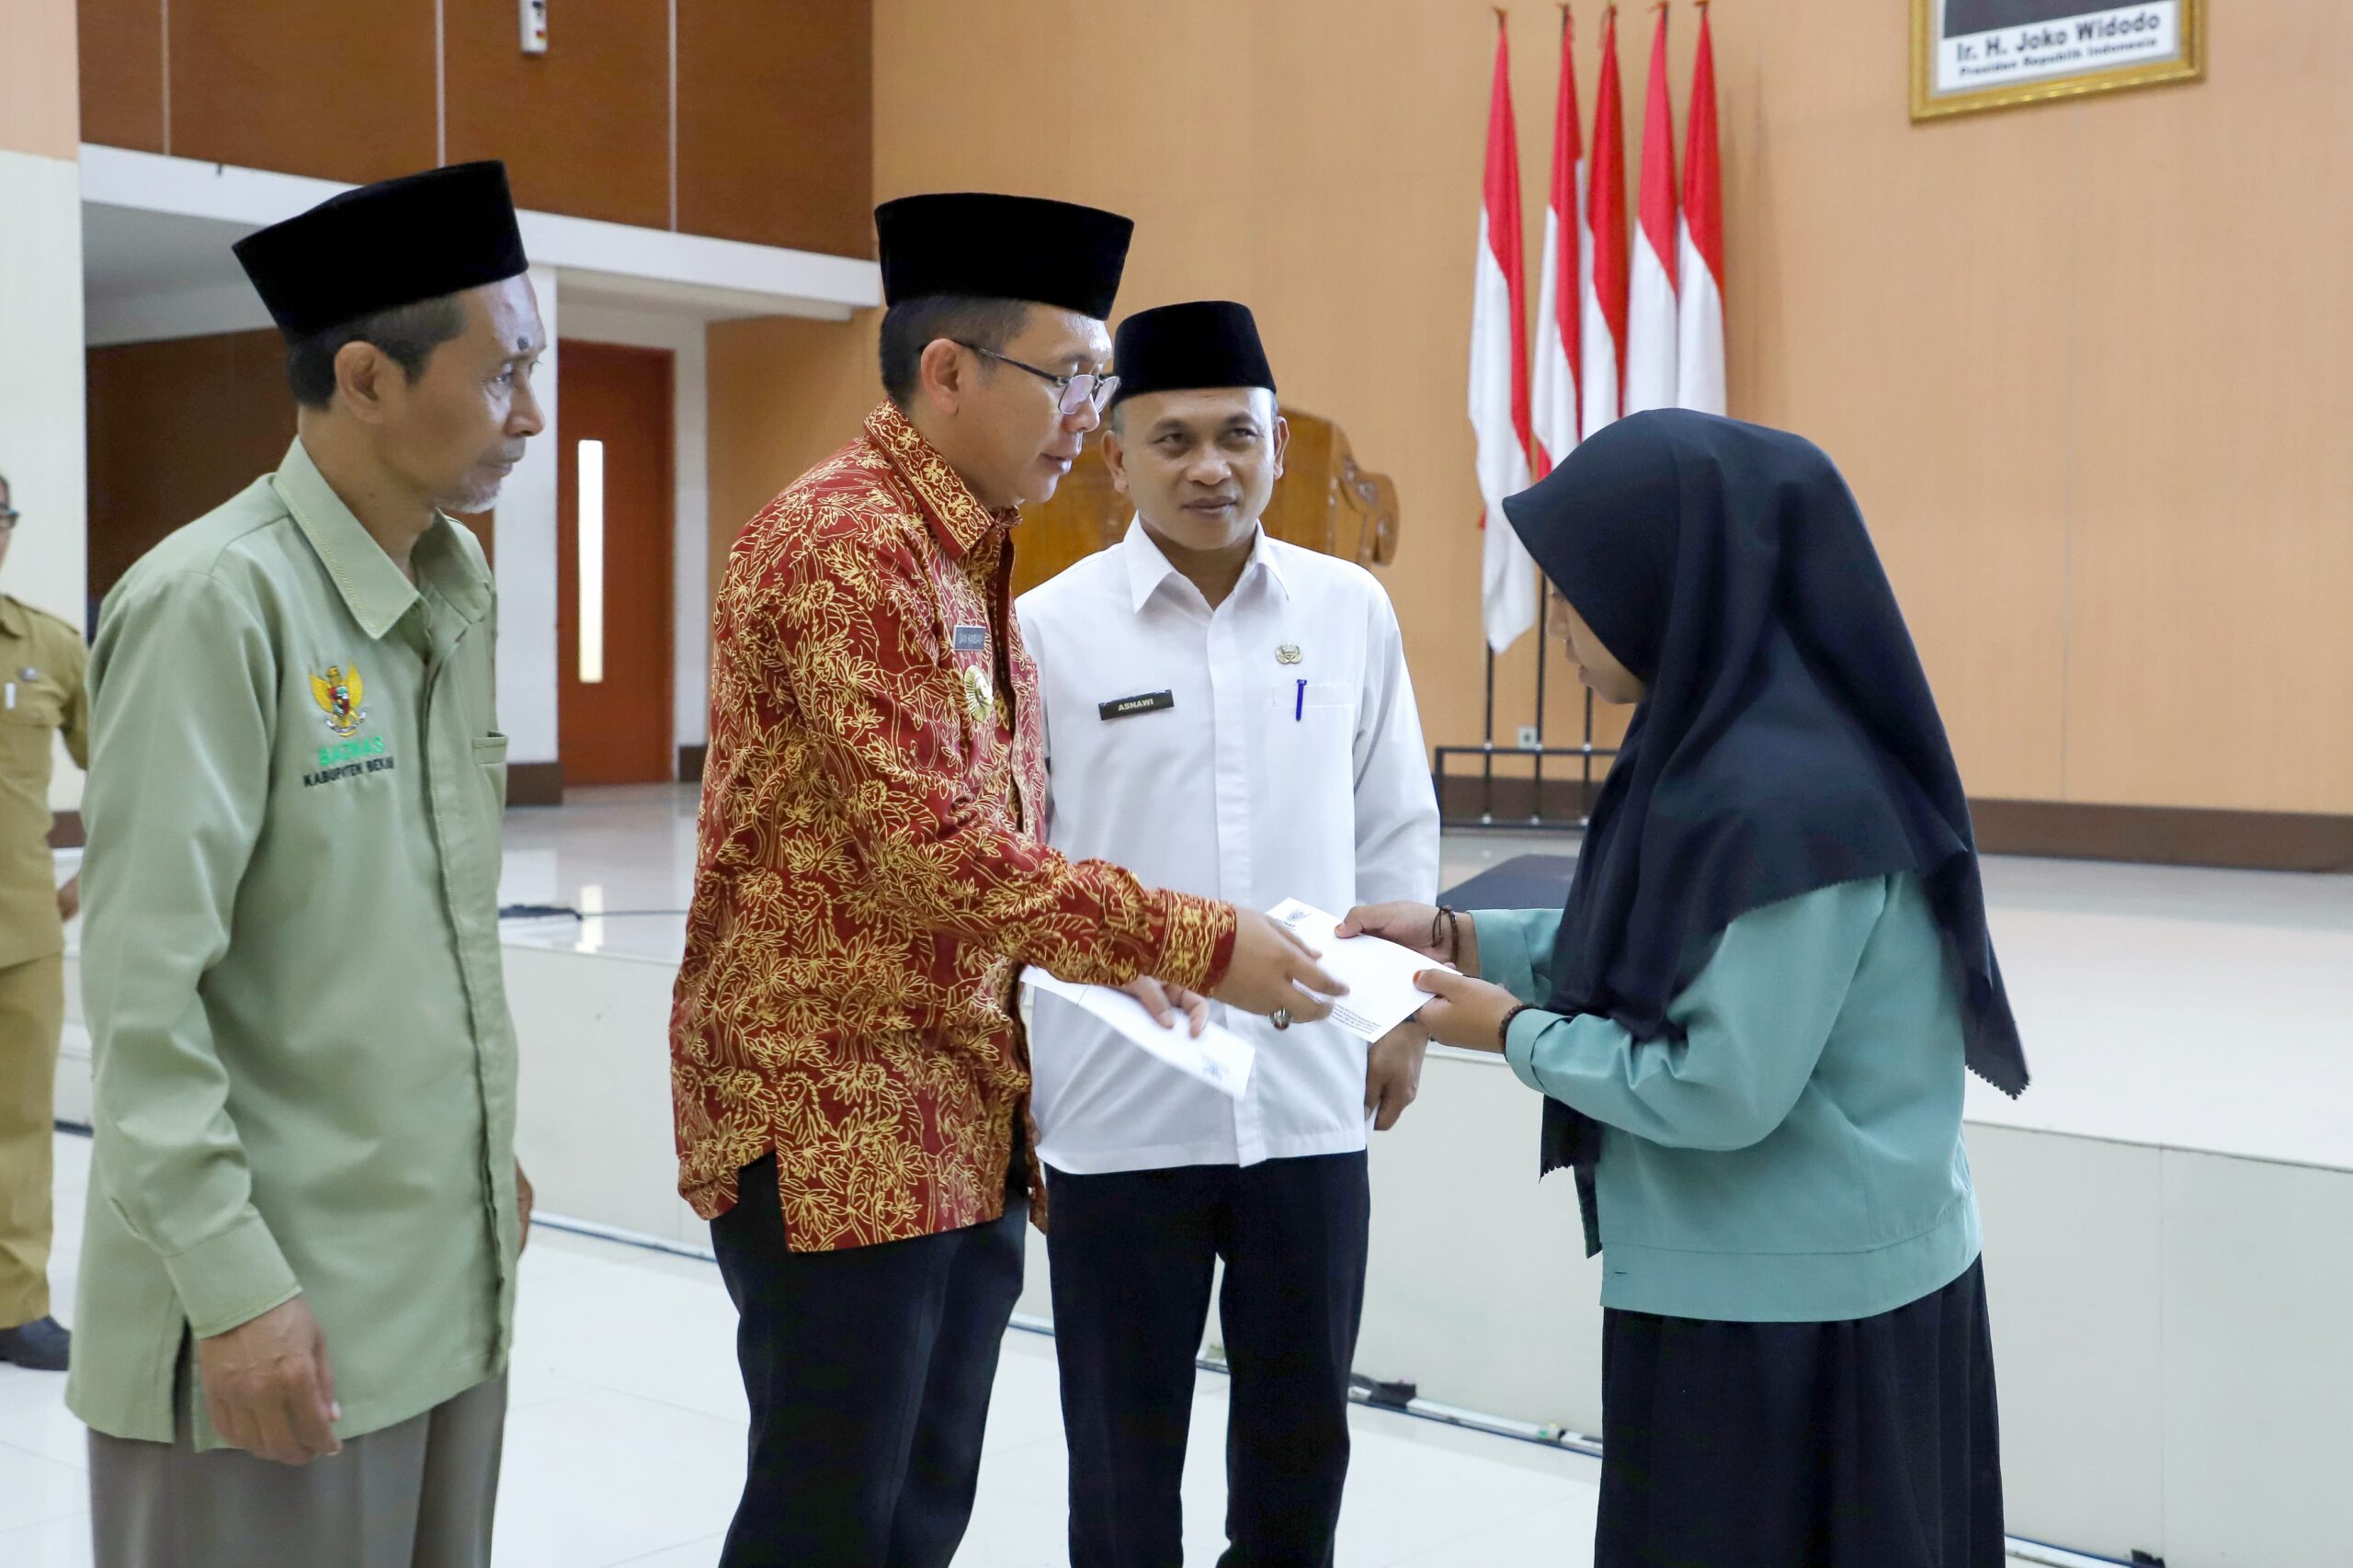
x,y
8,516
1071,392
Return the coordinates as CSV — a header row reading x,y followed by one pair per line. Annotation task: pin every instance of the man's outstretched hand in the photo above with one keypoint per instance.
x,y
1273,970
1165,1002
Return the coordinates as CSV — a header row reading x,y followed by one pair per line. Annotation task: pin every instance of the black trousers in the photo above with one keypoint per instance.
x,y
1133,1255
1872,1443
869,1371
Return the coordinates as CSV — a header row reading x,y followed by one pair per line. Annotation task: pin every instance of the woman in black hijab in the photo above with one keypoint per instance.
x,y
1750,1021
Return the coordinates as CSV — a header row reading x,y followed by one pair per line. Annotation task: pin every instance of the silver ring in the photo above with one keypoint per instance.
x,y
1282,1018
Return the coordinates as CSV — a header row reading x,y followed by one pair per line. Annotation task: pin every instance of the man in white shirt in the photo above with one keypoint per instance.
x,y
1231,716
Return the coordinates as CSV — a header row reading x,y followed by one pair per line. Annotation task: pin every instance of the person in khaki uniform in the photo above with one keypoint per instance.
x,y
305,1213
42,659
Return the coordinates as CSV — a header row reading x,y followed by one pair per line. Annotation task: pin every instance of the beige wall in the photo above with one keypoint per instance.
x,y
784,392
2083,364
41,436
40,103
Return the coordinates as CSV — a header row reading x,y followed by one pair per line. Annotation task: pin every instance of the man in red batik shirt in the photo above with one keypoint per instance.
x,y
849,1080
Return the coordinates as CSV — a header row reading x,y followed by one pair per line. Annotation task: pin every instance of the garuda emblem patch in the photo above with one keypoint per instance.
x,y
339,693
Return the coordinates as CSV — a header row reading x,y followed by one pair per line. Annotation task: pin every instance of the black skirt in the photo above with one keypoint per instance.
x,y
1872,1443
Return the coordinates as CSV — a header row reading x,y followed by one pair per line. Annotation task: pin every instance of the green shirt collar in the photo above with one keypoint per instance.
x,y
377,592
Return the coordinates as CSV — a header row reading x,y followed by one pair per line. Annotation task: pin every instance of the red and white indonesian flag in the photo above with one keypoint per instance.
x,y
1604,271
1560,293
1499,374
1650,310
1700,376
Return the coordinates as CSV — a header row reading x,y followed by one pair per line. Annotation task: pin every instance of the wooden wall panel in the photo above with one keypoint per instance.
x,y
774,126
122,72
176,427
1846,238
2211,656
1329,177
775,121
341,91
785,392
584,128
2082,362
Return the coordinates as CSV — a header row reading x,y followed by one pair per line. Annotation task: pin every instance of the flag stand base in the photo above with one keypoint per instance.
x,y
1525,804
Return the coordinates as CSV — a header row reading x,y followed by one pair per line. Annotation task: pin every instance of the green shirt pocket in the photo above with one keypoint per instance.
x,y
490,756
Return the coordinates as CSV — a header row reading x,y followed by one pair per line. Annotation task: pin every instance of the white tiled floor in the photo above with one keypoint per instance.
x,y
628,851
625,1440
2244,955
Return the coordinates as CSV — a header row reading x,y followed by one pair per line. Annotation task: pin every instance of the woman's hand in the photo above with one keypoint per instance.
x,y
1414,925
1467,1014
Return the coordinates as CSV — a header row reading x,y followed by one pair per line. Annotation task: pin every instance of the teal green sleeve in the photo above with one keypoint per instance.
x,y
1516,950
1751,1025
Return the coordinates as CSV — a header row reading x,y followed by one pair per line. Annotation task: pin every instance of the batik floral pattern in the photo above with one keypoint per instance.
x,y
872,870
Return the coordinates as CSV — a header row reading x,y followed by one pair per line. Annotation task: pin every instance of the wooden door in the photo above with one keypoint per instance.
x,y
613,669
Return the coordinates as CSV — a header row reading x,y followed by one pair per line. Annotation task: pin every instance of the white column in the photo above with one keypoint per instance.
x,y
43,442
525,535
690,541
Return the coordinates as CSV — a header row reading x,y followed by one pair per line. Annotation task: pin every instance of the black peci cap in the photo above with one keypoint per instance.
x,y
1002,248
1206,343
417,237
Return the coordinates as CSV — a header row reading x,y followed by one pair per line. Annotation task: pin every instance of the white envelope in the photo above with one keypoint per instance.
x,y
1220,1058
1378,972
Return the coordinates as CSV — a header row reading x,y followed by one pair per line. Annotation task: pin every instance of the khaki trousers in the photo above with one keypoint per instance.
x,y
32,1015
419,1495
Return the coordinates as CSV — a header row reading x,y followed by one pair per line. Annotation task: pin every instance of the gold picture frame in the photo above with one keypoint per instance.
x,y
2185,62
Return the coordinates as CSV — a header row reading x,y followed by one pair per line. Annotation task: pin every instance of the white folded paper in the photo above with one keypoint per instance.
x,y
1220,1058
1378,972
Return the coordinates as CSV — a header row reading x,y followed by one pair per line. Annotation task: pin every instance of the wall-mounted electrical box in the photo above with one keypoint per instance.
x,y
535,26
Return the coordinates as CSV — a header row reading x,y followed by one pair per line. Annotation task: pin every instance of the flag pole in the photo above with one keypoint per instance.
x,y
1543,615
1543,607
1584,802
1487,762
1487,804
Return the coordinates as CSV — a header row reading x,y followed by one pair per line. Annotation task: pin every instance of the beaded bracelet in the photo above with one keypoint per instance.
x,y
1502,1034
1453,943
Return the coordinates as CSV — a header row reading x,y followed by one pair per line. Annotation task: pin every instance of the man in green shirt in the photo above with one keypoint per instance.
x,y
42,659
304,1209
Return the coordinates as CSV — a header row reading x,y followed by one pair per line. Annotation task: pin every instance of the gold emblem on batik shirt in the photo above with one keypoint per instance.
x,y
980,694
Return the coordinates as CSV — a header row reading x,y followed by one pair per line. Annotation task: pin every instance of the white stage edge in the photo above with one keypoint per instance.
x,y
2167,1217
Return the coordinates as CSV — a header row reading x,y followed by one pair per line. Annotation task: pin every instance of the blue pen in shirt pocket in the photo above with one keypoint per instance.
x,y
1299,705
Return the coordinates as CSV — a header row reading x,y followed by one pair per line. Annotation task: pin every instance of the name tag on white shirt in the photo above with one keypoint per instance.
x,y
1378,972
1220,1058
1143,702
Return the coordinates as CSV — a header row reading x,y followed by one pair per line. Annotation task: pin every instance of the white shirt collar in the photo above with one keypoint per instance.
x,y
1148,568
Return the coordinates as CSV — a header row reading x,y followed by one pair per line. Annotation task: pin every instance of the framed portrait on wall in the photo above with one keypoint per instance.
x,y
1977,54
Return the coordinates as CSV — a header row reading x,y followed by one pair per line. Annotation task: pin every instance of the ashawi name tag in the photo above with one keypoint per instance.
x,y
972,639
1147,702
